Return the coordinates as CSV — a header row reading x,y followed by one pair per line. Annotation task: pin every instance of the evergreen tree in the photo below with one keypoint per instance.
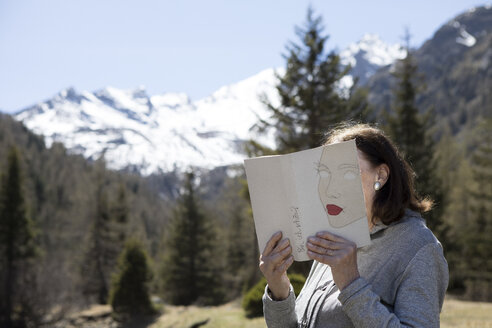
x,y
120,214
476,232
455,173
236,252
60,189
242,255
312,99
129,295
16,238
409,129
98,260
311,96
191,273
253,273
106,239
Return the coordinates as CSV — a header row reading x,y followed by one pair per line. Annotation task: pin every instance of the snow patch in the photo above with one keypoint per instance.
x,y
465,38
344,85
172,100
374,51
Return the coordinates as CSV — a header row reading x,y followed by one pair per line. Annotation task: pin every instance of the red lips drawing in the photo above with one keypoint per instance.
x,y
333,209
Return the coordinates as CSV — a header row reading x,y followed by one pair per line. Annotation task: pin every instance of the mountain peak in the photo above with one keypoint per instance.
x,y
368,55
67,92
170,100
163,132
115,93
375,51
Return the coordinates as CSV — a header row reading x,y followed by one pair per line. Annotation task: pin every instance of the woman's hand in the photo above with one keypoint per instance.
x,y
339,253
274,262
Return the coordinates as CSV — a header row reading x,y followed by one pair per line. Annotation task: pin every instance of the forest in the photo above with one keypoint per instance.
x,y
74,233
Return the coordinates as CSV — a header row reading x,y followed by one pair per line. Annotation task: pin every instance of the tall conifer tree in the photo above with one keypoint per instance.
x,y
477,230
311,96
409,128
120,214
97,265
106,239
16,237
190,269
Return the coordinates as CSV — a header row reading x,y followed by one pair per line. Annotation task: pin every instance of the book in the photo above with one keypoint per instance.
x,y
305,192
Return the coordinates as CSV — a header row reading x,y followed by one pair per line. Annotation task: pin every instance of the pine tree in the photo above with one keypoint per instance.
x,y
409,129
97,266
311,97
242,248
120,214
253,273
454,171
190,269
129,295
16,237
476,232
106,239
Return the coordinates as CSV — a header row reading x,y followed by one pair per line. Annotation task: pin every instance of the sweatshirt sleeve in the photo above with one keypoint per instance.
x,y
280,313
419,297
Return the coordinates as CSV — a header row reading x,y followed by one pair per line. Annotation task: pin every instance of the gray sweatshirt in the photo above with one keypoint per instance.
x,y
403,279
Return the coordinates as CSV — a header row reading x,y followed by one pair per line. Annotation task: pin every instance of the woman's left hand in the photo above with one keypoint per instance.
x,y
337,252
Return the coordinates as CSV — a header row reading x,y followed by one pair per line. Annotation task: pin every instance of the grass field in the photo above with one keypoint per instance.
x,y
462,314
455,314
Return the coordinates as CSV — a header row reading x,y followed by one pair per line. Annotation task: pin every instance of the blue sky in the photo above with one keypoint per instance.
x,y
182,45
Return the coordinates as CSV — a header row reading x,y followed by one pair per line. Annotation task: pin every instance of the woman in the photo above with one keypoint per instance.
x,y
399,280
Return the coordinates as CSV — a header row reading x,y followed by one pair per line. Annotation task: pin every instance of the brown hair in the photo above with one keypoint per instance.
x,y
398,192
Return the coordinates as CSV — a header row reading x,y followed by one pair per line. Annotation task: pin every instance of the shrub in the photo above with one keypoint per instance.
x,y
252,300
129,295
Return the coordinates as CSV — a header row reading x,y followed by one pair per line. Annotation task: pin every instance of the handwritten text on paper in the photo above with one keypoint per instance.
x,y
297,229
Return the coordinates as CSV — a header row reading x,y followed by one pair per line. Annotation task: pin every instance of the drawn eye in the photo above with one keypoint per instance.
x,y
324,174
349,175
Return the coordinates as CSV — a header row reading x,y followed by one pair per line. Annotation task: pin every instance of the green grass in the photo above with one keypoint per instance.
x,y
455,313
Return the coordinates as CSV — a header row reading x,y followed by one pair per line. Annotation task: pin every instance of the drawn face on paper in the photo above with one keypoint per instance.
x,y
338,178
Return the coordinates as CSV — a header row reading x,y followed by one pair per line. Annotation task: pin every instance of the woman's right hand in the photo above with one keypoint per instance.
x,y
274,262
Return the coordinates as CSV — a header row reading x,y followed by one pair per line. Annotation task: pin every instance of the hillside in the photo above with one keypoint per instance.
x,y
62,196
456,72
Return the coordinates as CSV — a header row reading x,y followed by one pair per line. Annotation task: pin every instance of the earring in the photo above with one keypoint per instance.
x,y
377,185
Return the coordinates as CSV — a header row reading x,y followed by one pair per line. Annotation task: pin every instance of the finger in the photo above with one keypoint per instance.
x,y
325,243
281,245
321,258
279,257
272,242
282,267
319,249
331,236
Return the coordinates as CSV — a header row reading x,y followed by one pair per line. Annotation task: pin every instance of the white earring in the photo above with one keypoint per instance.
x,y
377,185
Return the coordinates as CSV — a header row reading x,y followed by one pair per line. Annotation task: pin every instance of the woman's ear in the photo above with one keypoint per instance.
x,y
383,173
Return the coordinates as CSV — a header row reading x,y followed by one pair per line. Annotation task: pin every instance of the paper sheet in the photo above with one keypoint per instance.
x,y
306,192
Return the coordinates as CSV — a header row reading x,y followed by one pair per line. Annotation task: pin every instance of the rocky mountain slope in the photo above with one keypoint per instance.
x,y
456,72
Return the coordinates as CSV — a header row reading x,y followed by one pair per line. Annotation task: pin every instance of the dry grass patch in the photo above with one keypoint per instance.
x,y
455,313
224,316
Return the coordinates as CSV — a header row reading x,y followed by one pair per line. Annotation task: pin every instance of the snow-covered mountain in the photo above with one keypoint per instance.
x,y
369,54
154,133
162,132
